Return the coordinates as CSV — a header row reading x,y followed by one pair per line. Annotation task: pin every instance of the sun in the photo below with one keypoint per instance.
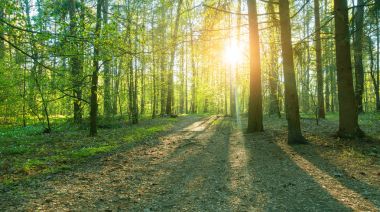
x,y
232,53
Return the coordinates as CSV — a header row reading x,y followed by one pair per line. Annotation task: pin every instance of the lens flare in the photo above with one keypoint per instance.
x,y
232,54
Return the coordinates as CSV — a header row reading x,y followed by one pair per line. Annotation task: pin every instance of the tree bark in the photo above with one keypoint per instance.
x,y
274,108
107,73
255,110
116,87
163,59
193,106
291,98
169,100
154,84
2,44
142,100
232,79
358,55
182,79
374,75
76,66
94,78
348,114
378,53
318,52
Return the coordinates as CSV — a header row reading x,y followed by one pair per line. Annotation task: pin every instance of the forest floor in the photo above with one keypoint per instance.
x,y
209,164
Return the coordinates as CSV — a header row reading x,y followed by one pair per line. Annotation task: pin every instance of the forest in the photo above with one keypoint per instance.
x,y
190,105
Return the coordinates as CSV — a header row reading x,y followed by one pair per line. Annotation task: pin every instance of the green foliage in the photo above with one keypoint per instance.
x,y
14,150
27,151
91,151
16,132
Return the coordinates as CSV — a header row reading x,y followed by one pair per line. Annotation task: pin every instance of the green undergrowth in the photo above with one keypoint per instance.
x,y
25,152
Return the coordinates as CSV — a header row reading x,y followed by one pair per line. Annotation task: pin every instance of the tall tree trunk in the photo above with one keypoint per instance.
x,y
154,84
129,73
318,52
116,87
182,79
348,114
130,83
186,81
232,79
378,53
194,74
163,83
333,81
76,65
94,78
135,106
107,71
2,44
237,68
169,100
274,108
291,98
133,86
358,55
304,84
154,75
327,88
255,110
142,100
373,73
163,59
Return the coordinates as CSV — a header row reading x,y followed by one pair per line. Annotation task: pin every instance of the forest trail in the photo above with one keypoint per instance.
x,y
201,165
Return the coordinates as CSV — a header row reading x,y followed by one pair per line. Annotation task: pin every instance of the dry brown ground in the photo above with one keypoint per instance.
x,y
210,165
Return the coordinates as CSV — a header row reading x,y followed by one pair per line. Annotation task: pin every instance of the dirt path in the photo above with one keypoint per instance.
x,y
202,165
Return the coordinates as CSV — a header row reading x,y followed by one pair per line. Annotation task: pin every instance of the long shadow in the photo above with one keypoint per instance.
x,y
366,190
208,178
195,174
207,171
19,196
285,185
311,153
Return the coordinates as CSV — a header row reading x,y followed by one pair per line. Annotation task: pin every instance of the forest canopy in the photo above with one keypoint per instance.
x,y
189,105
86,60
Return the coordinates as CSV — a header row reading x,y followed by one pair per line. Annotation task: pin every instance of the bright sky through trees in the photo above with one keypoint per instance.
x,y
233,54
195,96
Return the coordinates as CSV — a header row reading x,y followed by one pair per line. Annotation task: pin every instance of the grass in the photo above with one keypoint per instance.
x,y
26,152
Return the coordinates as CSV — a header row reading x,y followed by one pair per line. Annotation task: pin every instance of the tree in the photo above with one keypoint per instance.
x,y
107,71
76,64
291,98
274,106
2,44
348,113
255,110
358,55
375,73
95,72
193,107
318,52
169,100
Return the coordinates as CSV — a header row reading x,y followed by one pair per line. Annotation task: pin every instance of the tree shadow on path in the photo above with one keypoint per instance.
x,y
205,165
278,184
368,192
102,183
